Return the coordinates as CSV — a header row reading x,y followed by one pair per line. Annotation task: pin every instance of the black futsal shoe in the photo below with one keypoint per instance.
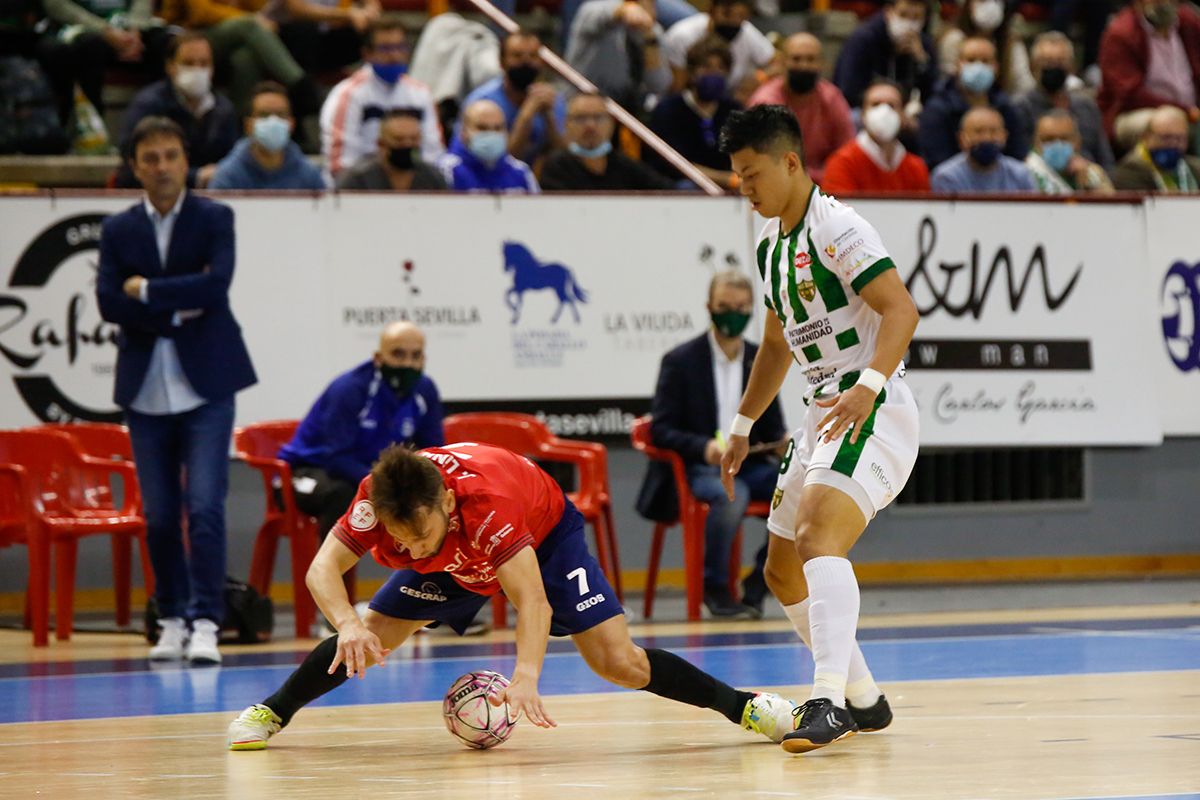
x,y
872,718
818,723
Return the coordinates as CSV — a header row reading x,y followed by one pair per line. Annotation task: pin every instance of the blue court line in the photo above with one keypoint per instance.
x,y
414,676
438,648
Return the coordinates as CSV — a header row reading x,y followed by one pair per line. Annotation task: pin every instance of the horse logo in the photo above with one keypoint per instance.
x,y
529,274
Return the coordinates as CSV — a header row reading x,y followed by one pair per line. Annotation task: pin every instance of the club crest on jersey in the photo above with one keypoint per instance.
x,y
807,289
803,260
777,498
831,250
362,518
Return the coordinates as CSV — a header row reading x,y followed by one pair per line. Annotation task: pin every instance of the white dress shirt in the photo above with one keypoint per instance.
x,y
165,389
727,378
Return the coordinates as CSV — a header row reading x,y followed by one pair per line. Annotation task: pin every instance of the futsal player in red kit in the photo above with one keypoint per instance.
x,y
458,524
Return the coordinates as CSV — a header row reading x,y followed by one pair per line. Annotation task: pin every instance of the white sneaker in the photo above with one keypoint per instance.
x,y
253,727
770,715
172,639
202,649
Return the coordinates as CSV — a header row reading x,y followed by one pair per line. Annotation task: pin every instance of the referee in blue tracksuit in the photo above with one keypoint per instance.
x,y
383,401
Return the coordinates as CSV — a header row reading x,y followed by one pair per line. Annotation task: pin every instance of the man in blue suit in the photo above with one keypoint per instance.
x,y
165,269
699,382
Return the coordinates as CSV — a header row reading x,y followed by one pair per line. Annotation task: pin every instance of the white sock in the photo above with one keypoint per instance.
x,y
861,689
833,620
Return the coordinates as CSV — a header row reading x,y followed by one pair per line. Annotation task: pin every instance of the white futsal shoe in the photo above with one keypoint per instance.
x,y
202,648
253,727
172,640
769,714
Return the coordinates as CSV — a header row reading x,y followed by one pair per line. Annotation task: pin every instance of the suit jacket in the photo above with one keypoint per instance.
x,y
1133,174
1125,57
197,275
684,418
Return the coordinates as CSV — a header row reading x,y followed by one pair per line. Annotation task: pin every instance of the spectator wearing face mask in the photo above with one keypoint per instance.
x,y
875,160
1158,163
589,163
991,20
397,164
1058,88
351,115
615,44
691,121
267,158
185,97
479,161
892,44
534,111
1055,162
1149,57
982,165
729,20
973,87
386,400
822,111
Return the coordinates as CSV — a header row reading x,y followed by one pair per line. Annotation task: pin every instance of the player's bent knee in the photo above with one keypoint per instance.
x,y
391,631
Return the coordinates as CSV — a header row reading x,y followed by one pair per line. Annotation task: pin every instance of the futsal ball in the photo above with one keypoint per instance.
x,y
469,716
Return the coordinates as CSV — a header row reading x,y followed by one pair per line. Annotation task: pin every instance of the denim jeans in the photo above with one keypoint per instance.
x,y
755,481
183,462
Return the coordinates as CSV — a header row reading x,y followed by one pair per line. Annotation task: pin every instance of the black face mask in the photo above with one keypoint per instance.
x,y
1053,79
727,32
802,81
400,379
401,158
521,76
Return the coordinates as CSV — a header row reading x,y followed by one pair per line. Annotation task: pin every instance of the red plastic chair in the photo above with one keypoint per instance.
x,y
58,492
525,434
692,516
257,445
19,526
110,442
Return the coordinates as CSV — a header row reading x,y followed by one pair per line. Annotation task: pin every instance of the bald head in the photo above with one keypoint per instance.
x,y
402,344
483,115
802,51
977,49
1168,130
981,125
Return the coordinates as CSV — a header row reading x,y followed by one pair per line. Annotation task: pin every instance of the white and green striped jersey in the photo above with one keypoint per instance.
x,y
812,277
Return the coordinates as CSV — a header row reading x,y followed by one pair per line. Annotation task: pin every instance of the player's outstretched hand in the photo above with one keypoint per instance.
x,y
358,648
731,461
851,407
523,698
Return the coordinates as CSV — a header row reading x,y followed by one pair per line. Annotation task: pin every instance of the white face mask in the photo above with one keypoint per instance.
x,y
987,14
899,27
882,122
195,82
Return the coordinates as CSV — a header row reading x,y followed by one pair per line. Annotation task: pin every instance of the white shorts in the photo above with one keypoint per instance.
x,y
872,471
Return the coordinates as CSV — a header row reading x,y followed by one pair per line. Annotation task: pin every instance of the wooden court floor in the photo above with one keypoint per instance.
x,y
1125,734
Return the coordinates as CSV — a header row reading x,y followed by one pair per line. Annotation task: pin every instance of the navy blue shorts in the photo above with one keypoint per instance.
x,y
579,593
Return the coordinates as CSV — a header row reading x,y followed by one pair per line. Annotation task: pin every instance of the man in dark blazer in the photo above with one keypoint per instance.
x,y
165,269
699,386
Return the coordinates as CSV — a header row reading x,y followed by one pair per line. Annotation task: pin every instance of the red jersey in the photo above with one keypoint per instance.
x,y
503,502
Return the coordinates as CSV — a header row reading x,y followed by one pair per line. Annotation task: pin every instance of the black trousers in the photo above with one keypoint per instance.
x,y
329,498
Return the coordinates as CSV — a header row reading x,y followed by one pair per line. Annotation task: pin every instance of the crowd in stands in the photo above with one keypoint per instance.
x,y
955,96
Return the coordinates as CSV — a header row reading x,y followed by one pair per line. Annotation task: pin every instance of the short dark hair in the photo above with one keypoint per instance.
x,y
150,127
764,129
386,22
880,81
402,113
268,87
709,47
747,3
403,482
179,40
519,33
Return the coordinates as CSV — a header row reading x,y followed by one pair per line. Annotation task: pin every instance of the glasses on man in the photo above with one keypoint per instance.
x,y
584,119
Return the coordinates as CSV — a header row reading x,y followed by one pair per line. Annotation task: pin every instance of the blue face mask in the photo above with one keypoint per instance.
x,y
488,146
985,153
389,73
710,87
1058,154
1166,157
976,76
599,151
271,133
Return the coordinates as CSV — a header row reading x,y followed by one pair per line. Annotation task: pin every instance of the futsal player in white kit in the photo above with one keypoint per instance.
x,y
838,307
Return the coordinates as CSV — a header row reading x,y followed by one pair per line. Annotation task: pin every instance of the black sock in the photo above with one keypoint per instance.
x,y
675,679
310,680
